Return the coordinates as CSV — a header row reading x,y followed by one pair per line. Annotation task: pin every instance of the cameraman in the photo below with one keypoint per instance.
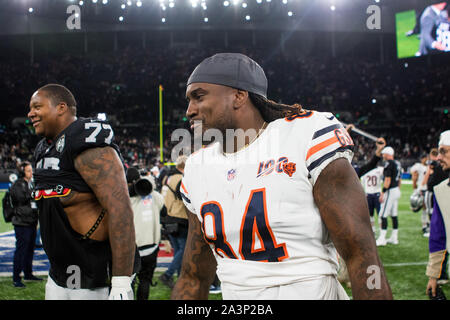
x,y
147,205
176,223
25,222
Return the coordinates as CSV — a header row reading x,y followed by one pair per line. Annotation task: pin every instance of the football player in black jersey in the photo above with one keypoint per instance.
x,y
85,212
389,197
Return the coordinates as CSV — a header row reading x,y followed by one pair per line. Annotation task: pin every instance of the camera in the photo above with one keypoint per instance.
x,y
433,163
138,183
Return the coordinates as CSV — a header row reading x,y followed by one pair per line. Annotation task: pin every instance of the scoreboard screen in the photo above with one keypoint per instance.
x,y
423,31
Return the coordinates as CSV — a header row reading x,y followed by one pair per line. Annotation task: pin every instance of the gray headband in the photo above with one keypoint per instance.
x,y
232,70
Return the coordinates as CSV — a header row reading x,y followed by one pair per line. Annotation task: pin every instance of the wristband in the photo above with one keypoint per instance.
x,y
383,190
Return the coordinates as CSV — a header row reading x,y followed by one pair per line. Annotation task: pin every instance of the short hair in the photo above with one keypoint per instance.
x,y
21,168
181,161
24,164
58,93
434,152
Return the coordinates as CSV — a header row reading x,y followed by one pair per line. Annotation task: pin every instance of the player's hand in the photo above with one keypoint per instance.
x,y
432,284
381,143
381,197
121,289
350,127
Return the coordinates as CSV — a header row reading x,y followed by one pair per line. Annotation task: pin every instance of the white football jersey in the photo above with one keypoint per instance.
x,y
372,181
421,171
256,206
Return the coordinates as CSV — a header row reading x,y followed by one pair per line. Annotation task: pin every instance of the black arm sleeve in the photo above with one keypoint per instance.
x,y
368,166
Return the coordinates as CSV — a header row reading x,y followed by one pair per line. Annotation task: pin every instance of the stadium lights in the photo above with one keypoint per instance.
x,y
105,1
244,5
139,3
258,1
30,10
81,2
163,20
129,3
247,17
94,1
290,13
333,7
226,3
123,6
206,19
120,18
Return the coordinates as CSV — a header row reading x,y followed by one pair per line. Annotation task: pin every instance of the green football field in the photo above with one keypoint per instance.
x,y
406,46
404,263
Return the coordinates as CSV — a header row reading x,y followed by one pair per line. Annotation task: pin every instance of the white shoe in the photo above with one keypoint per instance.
x,y
392,241
381,242
426,234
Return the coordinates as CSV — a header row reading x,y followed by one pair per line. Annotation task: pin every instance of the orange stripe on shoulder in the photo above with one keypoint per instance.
x,y
184,189
321,146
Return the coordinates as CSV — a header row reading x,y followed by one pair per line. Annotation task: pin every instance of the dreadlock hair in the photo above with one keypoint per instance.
x,y
270,110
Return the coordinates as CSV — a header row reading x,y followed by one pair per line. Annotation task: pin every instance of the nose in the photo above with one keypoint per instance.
x,y
31,114
192,110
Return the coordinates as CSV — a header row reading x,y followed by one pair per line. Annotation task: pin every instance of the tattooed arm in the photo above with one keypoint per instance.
x,y
199,265
102,170
343,207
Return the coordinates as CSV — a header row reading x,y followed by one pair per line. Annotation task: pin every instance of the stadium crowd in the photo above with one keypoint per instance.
x,y
392,100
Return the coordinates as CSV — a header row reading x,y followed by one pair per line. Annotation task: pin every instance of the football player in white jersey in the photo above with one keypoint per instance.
x,y
270,211
418,172
372,183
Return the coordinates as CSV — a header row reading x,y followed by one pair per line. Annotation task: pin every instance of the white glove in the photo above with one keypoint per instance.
x,y
121,288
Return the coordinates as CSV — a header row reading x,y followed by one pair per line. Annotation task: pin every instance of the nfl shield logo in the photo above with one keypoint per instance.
x,y
60,143
231,174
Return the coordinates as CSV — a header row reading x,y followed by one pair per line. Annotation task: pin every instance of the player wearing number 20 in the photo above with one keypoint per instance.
x,y
85,215
372,181
272,211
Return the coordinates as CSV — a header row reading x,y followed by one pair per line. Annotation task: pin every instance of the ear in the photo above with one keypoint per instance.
x,y
62,108
241,97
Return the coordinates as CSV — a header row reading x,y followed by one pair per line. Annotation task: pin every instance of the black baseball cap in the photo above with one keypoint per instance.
x,y
234,70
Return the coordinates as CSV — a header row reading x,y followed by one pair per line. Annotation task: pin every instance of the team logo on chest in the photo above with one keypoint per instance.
x,y
289,168
281,165
60,143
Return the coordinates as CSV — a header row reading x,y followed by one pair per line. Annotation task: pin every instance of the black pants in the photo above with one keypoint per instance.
x,y
23,256
145,275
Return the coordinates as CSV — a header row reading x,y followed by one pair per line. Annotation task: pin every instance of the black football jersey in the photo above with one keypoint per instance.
x,y
55,176
54,160
393,170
